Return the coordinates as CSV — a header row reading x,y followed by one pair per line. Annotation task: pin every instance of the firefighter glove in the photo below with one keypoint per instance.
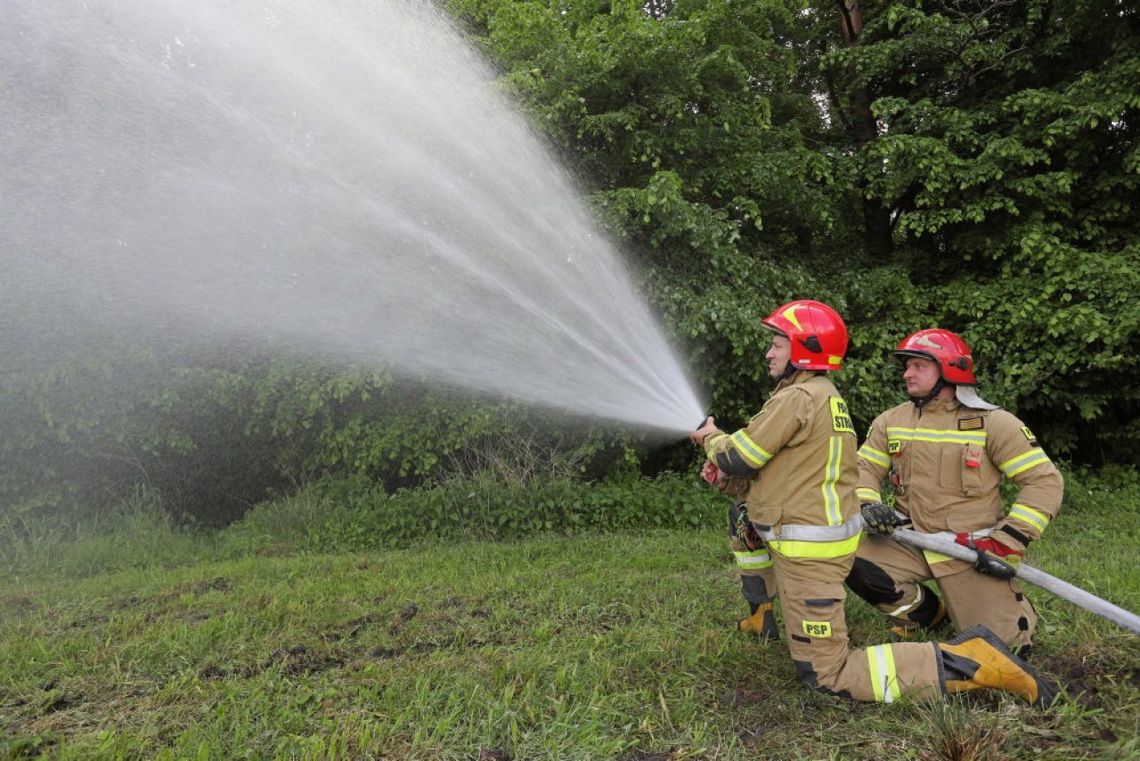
x,y
878,518
743,529
710,473
707,428
733,486
994,558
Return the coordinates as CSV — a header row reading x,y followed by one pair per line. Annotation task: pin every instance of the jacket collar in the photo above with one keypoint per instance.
x,y
940,405
799,376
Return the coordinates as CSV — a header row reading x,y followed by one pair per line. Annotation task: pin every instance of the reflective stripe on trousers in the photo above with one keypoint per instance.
x,y
803,541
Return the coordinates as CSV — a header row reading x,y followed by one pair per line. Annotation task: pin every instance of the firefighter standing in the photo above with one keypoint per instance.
x,y
945,452
805,510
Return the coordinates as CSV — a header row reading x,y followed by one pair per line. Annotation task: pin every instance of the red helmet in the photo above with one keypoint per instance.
x,y
943,347
817,333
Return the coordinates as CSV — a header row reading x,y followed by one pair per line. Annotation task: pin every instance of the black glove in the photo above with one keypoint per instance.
x,y
994,558
878,518
742,528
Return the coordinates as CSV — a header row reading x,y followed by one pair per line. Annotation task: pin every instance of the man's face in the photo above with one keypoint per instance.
x,y
778,356
920,375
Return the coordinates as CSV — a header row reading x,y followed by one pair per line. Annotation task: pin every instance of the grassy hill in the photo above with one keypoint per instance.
x,y
609,646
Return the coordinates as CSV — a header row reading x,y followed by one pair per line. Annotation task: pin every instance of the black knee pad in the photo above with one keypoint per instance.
x,y
872,583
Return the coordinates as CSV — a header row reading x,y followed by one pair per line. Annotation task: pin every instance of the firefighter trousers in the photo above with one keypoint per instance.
x,y
812,597
887,575
757,578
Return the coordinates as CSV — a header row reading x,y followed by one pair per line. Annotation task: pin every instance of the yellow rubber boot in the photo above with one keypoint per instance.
x,y
762,622
976,658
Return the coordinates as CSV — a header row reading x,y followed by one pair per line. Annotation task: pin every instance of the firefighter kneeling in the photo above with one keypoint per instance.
x,y
945,453
805,511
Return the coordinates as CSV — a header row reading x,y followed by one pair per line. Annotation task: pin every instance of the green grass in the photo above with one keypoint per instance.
x,y
597,646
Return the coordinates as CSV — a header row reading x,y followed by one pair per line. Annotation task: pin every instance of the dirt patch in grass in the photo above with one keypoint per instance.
x,y
493,754
352,628
19,605
55,702
216,584
211,673
300,659
1085,674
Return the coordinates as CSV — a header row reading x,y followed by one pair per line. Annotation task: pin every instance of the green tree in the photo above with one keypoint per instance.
x,y
1007,155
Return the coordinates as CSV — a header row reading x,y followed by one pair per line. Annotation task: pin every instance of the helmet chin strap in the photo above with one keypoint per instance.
x,y
921,402
789,371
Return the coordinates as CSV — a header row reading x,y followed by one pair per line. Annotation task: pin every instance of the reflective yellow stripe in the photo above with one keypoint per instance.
x,y
908,607
711,441
884,679
1027,514
874,455
1023,462
863,494
750,560
748,449
938,437
791,548
830,479
935,557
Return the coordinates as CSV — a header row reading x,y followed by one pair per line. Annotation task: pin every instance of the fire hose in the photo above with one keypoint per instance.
x,y
1062,589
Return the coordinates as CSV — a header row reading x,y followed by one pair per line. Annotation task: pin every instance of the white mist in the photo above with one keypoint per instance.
x,y
338,175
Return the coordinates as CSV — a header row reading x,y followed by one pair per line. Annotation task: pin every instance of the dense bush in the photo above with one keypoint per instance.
x,y
353,513
216,435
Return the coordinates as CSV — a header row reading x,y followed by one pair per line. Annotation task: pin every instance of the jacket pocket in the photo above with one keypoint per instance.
x,y
971,469
900,465
950,461
765,513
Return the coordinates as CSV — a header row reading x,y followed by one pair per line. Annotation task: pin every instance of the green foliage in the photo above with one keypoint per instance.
x,y
353,513
214,438
89,427
724,143
680,121
1007,146
137,532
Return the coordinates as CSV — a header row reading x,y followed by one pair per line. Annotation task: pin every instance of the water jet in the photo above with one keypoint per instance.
x,y
340,176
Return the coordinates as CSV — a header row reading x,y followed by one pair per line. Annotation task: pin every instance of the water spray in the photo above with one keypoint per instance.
x,y
341,178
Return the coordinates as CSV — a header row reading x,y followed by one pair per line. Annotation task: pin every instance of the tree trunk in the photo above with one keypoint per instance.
x,y
876,217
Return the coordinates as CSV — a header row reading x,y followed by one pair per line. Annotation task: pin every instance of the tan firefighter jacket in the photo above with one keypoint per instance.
x,y
946,462
804,442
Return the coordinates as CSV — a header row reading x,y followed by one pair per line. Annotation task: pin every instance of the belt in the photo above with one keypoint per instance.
x,y
796,532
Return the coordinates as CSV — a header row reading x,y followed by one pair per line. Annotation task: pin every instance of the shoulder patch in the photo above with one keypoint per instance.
x,y
971,423
840,417
1029,436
